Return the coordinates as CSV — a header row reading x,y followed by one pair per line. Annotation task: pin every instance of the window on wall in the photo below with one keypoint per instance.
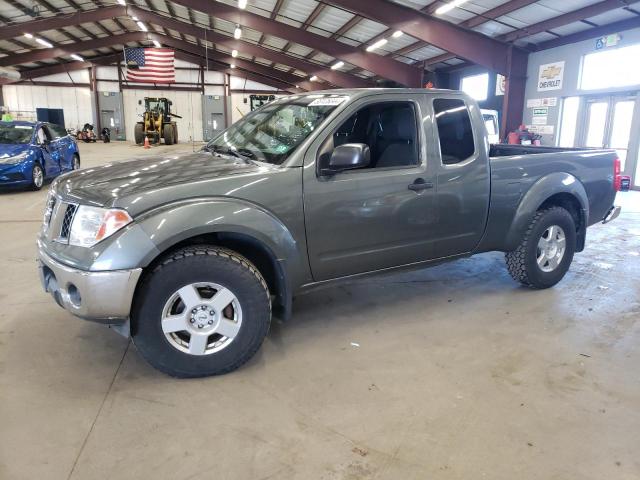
x,y
611,68
476,86
569,122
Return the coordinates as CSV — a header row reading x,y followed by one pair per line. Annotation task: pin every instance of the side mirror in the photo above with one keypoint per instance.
x,y
349,156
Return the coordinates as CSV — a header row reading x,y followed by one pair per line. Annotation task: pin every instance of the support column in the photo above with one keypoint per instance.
x,y
93,87
227,100
516,79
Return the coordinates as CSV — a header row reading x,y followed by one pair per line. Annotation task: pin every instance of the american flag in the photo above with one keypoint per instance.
x,y
150,65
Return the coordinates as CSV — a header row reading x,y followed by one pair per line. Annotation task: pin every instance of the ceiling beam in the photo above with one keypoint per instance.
x,y
59,21
69,66
385,67
235,72
591,34
68,48
499,11
565,19
212,55
337,78
467,44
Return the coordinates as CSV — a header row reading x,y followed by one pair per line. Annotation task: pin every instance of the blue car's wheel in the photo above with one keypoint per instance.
x,y
37,177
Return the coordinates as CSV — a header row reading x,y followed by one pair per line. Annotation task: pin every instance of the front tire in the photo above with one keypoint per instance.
x,y
545,254
202,311
37,177
138,134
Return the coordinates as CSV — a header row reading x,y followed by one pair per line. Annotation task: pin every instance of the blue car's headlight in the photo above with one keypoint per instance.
x,y
15,158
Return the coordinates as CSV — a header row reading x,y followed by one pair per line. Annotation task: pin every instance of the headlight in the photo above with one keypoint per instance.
x,y
92,224
15,158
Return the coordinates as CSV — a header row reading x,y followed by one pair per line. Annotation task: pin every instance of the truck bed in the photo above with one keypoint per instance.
x,y
516,169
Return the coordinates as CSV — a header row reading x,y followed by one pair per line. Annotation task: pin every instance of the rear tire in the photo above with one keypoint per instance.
x,y
545,254
169,320
138,134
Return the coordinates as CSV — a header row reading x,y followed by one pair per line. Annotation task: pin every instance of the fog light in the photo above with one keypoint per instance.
x,y
74,295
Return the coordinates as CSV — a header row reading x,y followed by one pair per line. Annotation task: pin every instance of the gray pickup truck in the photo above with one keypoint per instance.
x,y
190,253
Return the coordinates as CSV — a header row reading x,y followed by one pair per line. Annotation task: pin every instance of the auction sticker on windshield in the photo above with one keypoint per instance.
x,y
327,101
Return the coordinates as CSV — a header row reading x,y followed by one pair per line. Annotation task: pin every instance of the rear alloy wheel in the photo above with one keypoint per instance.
x,y
37,177
545,254
202,311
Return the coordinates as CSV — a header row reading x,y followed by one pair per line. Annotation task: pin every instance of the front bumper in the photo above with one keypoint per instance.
x,y
104,297
18,174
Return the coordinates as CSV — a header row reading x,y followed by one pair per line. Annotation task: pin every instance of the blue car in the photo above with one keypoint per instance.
x,y
32,152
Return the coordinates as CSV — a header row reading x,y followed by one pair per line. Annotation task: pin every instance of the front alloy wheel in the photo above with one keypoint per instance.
x,y
37,177
202,310
201,318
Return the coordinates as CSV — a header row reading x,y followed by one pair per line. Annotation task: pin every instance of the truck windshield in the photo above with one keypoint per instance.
x,y
271,133
15,134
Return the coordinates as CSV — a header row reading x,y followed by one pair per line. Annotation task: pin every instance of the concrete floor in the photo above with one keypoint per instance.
x,y
458,373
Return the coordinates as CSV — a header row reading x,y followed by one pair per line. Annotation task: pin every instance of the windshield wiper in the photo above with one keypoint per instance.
x,y
229,151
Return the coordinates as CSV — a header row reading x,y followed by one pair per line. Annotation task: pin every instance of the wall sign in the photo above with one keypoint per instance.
x,y
608,41
501,85
550,76
541,112
540,120
541,129
542,102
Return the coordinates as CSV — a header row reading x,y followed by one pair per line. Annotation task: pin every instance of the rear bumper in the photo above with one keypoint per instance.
x,y
612,214
104,297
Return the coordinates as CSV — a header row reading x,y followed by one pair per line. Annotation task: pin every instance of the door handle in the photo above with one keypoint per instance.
x,y
420,184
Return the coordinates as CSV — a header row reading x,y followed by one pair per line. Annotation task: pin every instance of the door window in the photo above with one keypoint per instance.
x,y
57,131
388,128
41,136
621,129
454,130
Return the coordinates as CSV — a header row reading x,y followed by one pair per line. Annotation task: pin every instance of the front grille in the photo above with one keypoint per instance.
x,y
67,220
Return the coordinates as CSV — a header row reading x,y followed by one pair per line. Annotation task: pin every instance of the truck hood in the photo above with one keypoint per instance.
x,y
104,185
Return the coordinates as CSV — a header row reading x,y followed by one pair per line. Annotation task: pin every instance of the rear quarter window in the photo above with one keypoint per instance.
x,y
454,130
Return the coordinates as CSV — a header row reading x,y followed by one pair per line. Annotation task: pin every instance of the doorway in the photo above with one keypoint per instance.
x,y
608,122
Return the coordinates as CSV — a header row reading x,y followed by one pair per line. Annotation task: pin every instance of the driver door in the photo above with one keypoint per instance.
x,y
377,217
50,156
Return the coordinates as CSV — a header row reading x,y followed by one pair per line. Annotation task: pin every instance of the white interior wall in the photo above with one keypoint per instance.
x,y
186,104
74,101
78,105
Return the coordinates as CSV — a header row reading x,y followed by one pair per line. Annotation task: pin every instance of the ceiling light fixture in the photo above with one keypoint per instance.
x,y
122,2
44,42
378,44
450,6
142,26
234,53
157,44
233,65
237,33
28,35
135,19
397,34
336,66
242,4
77,57
314,79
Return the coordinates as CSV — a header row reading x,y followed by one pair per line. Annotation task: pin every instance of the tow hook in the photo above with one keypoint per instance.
x,y
612,214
